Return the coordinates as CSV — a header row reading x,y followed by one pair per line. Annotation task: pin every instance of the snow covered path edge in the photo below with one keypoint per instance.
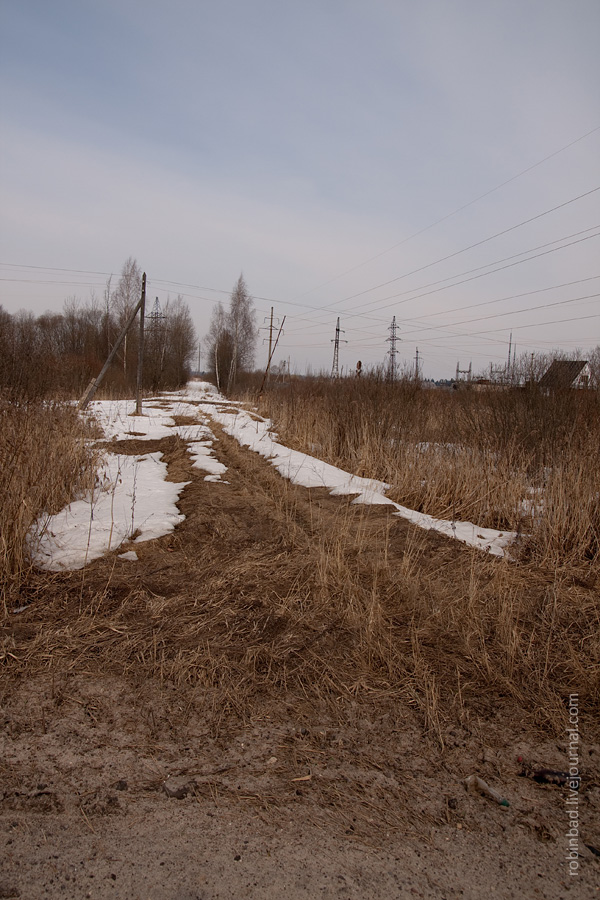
x,y
133,497
308,471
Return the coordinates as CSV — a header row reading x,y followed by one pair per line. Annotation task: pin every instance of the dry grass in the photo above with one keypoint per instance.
x,y
44,461
330,605
270,596
512,460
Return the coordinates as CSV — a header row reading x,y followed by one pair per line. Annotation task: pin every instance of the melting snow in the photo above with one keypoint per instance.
x,y
308,471
133,497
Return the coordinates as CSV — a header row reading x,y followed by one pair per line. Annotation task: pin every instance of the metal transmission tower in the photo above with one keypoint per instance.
x,y
156,344
156,315
511,365
335,372
468,372
393,338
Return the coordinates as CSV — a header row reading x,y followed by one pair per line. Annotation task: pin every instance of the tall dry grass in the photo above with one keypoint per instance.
x,y
45,459
515,460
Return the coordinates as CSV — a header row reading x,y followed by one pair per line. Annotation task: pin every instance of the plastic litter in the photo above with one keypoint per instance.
x,y
474,782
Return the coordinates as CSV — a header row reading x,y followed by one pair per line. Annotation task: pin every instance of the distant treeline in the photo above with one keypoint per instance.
x,y
57,354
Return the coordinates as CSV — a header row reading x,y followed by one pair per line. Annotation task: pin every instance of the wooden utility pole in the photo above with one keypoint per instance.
x,y
96,382
270,343
271,354
140,365
270,328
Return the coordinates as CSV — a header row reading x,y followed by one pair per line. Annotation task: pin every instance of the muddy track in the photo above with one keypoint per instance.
x,y
219,718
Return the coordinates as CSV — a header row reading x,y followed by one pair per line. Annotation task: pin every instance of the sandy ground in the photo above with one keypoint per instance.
x,y
124,776
107,794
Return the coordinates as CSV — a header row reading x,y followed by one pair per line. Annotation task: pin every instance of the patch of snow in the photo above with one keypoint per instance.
x,y
205,461
131,495
308,471
116,419
205,386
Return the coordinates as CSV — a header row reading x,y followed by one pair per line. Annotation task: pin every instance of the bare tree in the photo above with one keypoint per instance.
x,y
243,330
179,344
124,299
219,345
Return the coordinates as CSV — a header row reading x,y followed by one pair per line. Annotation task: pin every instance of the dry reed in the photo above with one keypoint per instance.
x,y
514,460
45,460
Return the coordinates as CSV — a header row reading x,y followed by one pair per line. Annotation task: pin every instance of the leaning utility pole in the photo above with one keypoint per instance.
x,y
392,351
96,382
417,365
335,372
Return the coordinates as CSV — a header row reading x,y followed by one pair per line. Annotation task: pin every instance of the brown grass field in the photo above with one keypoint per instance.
x,y
311,666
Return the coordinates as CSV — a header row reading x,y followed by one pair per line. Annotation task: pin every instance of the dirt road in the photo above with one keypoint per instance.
x,y
219,719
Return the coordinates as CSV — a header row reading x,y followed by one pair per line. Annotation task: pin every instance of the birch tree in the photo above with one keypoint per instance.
x,y
231,338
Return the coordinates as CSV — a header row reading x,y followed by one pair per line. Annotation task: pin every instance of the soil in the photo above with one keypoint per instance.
x,y
184,726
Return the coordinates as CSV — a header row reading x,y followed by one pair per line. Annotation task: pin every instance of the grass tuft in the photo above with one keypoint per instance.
x,y
45,460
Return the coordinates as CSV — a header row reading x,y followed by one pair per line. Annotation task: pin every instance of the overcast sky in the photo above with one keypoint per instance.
x,y
328,150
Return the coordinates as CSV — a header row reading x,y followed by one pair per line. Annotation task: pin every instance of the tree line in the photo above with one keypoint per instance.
x,y
231,339
57,354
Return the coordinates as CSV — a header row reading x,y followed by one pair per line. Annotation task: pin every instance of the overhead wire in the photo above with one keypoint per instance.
x,y
480,243
321,310
515,312
456,211
334,303
407,299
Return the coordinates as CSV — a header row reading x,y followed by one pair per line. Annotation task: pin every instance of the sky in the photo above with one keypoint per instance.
x,y
437,162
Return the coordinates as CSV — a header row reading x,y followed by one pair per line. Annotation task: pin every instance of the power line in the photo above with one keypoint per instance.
x,y
519,327
64,283
55,269
445,312
554,287
484,274
454,212
412,291
470,246
516,312
306,306
435,262
509,265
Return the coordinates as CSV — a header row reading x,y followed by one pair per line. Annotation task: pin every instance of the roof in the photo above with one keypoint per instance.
x,y
562,373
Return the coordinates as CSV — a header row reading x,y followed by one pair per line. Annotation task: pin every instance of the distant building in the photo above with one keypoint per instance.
x,y
564,374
